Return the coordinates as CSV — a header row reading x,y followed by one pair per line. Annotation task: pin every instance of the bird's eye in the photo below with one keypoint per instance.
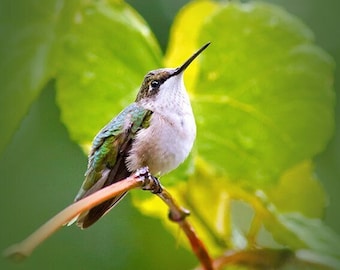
x,y
154,84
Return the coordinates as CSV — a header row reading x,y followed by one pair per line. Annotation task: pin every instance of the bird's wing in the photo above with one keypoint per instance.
x,y
106,163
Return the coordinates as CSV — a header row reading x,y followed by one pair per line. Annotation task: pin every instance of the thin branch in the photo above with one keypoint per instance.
x,y
141,178
197,245
255,258
178,214
26,247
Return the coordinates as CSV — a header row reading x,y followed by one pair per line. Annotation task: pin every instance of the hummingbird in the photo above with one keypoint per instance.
x,y
156,131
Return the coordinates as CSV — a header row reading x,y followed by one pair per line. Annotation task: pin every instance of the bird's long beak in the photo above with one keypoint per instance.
x,y
188,62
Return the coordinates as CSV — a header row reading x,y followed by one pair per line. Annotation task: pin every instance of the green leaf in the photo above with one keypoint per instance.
x,y
313,240
105,56
273,90
263,93
313,233
299,232
313,258
30,31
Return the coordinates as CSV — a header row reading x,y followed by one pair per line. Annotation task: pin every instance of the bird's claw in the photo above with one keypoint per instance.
x,y
150,182
143,174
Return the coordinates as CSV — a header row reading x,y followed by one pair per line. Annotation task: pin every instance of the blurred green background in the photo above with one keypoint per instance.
x,y
41,170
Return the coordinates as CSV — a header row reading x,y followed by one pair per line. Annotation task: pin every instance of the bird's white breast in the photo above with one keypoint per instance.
x,y
170,136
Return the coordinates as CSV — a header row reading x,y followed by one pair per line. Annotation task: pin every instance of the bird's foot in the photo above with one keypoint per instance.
x,y
143,174
150,182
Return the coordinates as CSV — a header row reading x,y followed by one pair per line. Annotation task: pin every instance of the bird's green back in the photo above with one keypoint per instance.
x,y
112,140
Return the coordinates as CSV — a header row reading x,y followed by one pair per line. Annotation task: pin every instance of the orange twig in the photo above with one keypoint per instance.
x,y
26,247
197,245
255,258
179,214
140,179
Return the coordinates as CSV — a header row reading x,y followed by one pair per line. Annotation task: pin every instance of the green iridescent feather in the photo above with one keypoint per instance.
x,y
113,139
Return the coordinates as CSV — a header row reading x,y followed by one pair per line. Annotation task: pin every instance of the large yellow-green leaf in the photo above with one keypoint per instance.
x,y
105,57
264,94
